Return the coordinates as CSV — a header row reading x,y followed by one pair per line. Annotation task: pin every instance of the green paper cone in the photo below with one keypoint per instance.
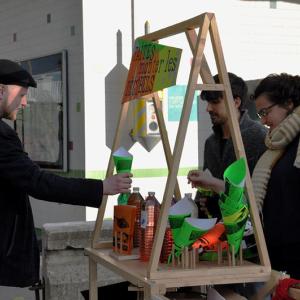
x,y
123,160
176,222
236,173
233,204
178,212
235,226
190,231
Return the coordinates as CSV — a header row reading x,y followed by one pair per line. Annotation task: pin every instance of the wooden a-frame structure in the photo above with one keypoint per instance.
x,y
155,278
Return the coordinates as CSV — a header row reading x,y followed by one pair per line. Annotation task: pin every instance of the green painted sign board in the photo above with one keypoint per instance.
x,y
153,67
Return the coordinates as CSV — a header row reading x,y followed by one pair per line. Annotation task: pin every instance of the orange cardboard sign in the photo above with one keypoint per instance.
x,y
124,220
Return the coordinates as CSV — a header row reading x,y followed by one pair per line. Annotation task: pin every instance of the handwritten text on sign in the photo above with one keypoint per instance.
x,y
153,67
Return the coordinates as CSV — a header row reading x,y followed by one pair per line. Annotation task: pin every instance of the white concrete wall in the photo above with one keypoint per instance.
x,y
36,38
256,39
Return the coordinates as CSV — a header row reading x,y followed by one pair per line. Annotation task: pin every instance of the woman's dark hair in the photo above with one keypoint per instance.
x,y
238,87
280,88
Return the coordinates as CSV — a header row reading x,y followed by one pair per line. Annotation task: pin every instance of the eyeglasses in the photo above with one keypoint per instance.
x,y
265,111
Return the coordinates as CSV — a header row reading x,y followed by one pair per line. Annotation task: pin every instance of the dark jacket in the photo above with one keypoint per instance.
x,y
20,177
219,153
253,136
281,213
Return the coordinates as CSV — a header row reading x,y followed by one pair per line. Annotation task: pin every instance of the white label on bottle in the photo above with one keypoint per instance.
x,y
143,219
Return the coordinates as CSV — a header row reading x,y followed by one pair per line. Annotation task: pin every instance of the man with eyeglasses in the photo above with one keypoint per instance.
x,y
219,151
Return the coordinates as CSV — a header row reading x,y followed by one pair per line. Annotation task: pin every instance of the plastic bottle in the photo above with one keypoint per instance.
x,y
149,217
173,201
123,198
167,245
166,248
137,200
194,208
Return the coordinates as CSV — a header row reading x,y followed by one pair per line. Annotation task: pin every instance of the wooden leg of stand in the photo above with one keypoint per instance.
x,y
220,254
186,254
233,255
93,291
195,256
192,259
173,256
229,256
241,255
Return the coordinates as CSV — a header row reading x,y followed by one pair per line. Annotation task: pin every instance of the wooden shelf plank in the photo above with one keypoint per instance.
x,y
205,273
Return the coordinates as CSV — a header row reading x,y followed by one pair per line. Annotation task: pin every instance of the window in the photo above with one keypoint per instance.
x,y
42,125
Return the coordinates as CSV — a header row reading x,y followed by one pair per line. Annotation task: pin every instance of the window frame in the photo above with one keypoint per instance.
x,y
63,149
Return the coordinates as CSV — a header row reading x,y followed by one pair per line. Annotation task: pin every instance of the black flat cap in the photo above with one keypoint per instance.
x,y
13,74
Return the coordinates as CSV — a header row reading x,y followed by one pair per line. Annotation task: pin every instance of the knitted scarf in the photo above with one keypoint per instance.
x,y
276,142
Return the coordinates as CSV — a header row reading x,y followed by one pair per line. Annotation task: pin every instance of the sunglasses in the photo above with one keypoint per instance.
x,y
265,111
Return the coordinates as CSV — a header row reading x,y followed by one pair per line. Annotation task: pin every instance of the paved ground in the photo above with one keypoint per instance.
x,y
10,293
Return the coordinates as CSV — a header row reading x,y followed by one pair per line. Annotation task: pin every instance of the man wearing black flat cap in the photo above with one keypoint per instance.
x,y
20,178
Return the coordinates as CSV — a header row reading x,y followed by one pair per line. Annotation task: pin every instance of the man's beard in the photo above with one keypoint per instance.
x,y
216,120
12,115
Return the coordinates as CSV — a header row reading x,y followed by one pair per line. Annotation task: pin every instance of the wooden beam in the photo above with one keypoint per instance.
x,y
177,28
165,139
210,87
93,290
205,72
238,142
184,120
109,172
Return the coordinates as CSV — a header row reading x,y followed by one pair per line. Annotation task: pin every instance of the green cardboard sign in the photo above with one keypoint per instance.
x,y
153,67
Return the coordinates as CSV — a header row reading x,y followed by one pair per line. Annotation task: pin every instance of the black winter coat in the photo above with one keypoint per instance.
x,y
20,177
281,213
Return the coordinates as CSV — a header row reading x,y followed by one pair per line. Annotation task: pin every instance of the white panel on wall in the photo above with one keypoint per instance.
x,y
257,40
35,37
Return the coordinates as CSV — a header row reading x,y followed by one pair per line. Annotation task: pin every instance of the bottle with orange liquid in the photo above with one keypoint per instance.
x,y
137,200
167,245
149,218
168,240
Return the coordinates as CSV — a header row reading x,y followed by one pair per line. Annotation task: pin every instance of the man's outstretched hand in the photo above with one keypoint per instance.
x,y
205,180
116,184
